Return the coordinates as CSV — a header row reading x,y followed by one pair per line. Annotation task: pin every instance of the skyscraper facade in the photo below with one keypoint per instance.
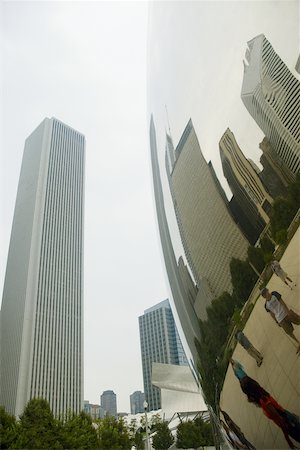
x,y
246,186
137,399
108,401
188,320
271,94
160,342
208,232
41,315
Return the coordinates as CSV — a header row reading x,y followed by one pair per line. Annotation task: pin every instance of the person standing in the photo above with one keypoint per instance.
x,y
278,270
248,346
280,313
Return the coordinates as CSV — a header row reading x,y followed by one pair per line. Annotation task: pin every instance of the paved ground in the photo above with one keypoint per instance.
x,y
280,371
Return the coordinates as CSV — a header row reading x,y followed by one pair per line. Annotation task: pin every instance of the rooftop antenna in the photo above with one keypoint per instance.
x,y
168,122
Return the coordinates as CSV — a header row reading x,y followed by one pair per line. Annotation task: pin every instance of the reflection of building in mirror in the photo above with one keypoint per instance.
x,y
251,203
271,94
209,235
176,273
274,174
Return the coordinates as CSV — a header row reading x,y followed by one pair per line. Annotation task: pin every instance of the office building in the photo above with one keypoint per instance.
x,y
160,342
186,313
137,399
274,175
94,411
209,235
246,186
108,401
41,316
271,94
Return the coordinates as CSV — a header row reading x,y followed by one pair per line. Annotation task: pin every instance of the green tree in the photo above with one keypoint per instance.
x,y
138,440
283,212
256,258
188,435
243,279
163,438
78,432
113,434
267,245
8,429
38,429
155,420
206,431
194,434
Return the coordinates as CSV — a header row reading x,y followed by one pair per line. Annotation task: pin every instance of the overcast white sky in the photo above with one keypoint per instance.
x,y
85,64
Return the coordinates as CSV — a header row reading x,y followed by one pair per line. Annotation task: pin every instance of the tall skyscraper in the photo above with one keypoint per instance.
x,y
41,315
271,94
108,401
137,399
160,342
246,186
208,232
184,307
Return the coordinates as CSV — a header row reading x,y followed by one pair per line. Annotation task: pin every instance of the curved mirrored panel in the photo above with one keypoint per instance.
x,y
224,115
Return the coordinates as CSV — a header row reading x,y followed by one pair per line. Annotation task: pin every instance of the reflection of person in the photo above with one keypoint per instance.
x,y
234,430
278,270
287,421
244,341
282,315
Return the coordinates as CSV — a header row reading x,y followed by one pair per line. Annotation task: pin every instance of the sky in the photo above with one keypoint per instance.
x,y
195,57
85,63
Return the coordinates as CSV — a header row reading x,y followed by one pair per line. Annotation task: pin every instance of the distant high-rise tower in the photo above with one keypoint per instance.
x,y
160,342
108,401
137,402
41,315
271,94
246,186
209,235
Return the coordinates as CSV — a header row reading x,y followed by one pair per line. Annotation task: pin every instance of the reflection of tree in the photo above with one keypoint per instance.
x,y
284,210
215,330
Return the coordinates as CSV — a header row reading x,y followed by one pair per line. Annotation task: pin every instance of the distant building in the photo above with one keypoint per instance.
x,y
186,312
109,403
136,402
271,94
246,186
209,235
41,315
160,342
95,411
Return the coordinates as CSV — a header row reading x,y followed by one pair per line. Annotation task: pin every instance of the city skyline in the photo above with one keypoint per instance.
x,y
96,82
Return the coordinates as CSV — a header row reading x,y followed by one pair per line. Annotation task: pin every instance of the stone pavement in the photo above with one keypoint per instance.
x,y
280,370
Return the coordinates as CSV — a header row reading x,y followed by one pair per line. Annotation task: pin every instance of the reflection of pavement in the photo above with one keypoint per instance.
x,y
280,370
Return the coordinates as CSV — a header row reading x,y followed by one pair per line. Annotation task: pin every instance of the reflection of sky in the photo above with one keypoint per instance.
x,y
195,68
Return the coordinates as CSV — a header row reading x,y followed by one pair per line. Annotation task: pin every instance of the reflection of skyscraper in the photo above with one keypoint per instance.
x,y
186,313
246,187
160,342
41,316
209,235
274,175
271,94
108,402
137,399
